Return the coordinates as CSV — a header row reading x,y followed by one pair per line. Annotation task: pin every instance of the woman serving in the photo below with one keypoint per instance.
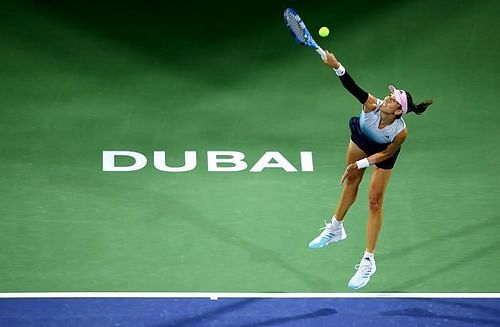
x,y
376,139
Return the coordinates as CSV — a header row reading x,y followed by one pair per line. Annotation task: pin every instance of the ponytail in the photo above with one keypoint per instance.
x,y
419,108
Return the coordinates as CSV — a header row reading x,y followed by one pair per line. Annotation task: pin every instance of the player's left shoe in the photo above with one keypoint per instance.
x,y
332,232
365,269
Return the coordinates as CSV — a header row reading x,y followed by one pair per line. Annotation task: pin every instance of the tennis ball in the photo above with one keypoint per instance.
x,y
324,31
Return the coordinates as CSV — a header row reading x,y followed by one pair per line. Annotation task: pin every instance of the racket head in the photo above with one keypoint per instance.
x,y
298,29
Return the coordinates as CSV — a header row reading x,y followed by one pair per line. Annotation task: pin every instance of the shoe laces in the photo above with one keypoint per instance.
x,y
364,268
329,228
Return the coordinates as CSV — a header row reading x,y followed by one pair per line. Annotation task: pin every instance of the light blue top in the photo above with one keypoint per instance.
x,y
369,122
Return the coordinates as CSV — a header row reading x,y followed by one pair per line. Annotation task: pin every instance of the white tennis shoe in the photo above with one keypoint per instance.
x,y
365,269
332,232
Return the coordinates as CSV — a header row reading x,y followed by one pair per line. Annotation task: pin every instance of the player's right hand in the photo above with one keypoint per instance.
x,y
331,60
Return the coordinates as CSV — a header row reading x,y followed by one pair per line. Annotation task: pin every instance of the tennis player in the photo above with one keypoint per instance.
x,y
376,139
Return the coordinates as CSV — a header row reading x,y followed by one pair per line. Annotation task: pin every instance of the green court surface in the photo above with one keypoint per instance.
x,y
82,78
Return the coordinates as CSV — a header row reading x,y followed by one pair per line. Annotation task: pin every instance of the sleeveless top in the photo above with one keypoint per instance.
x,y
369,122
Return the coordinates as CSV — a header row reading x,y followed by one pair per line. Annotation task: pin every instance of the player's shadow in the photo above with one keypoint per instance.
x,y
217,315
422,313
294,318
469,306
209,315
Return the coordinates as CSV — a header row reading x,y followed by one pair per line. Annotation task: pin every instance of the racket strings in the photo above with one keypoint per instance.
x,y
296,27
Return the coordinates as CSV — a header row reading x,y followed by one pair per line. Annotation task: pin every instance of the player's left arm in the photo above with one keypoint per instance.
x,y
391,148
379,156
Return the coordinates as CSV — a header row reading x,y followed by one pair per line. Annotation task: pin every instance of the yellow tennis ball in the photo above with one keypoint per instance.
x,y
324,31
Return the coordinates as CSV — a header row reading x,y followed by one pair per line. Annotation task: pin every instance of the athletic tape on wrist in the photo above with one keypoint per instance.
x,y
363,163
339,71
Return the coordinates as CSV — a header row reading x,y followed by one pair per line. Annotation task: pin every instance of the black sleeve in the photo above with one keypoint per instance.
x,y
353,88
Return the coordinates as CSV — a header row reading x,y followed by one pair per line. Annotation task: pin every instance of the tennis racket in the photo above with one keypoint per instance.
x,y
299,31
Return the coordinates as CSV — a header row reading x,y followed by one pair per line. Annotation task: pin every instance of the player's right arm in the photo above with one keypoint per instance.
x,y
368,101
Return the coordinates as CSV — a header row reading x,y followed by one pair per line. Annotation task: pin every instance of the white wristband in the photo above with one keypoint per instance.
x,y
363,163
339,71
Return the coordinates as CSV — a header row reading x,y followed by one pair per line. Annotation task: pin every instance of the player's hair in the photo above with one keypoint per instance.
x,y
416,108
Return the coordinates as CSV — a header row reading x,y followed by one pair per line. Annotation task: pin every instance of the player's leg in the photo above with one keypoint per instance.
x,y
351,185
376,189
334,231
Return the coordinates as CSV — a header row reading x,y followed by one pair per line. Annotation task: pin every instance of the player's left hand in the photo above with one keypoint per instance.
x,y
351,168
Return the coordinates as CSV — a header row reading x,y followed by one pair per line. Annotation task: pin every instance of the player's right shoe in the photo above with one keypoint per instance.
x,y
365,270
332,232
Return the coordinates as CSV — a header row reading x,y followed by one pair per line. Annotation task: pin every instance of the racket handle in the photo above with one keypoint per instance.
x,y
321,52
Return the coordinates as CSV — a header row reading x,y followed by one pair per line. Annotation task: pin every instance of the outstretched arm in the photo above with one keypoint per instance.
x,y
368,101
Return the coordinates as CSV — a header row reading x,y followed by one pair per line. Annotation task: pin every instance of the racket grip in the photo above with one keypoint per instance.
x,y
321,52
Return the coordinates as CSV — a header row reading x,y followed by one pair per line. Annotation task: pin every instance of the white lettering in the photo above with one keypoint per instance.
x,y
217,161
109,160
306,161
235,160
280,162
189,162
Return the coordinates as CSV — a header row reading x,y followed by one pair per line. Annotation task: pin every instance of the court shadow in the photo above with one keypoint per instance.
x,y
442,238
294,318
481,309
422,313
254,251
433,242
175,33
474,306
462,261
216,315
209,315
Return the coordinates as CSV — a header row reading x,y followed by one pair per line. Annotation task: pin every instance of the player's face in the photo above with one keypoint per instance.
x,y
390,105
